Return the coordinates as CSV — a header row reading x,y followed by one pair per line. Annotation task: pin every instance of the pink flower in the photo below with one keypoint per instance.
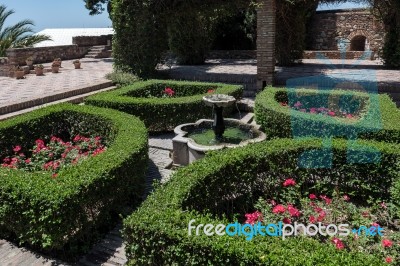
x,y
303,110
77,138
312,219
388,260
170,92
346,197
312,196
383,205
375,224
98,151
28,160
331,113
286,221
54,175
386,243
17,149
210,91
289,182
297,104
293,211
349,116
273,202
321,216
252,218
279,209
338,243
326,199
318,209
313,110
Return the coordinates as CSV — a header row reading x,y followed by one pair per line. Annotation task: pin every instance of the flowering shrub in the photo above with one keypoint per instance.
x,y
54,155
321,110
289,206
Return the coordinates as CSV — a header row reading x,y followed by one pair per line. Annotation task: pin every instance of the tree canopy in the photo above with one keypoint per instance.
x,y
18,35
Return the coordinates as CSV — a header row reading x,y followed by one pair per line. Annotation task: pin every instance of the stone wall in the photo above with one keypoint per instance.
x,y
17,56
4,66
328,28
92,40
338,55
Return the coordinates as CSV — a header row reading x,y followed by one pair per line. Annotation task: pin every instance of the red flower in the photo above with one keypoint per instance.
x,y
28,160
349,116
312,196
17,149
338,243
283,104
388,260
289,182
279,209
293,211
365,214
252,218
77,138
210,91
331,113
326,199
312,219
346,197
375,224
54,175
321,216
318,209
386,243
170,92
286,221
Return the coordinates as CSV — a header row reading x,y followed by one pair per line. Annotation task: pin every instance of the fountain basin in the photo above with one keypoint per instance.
x,y
186,150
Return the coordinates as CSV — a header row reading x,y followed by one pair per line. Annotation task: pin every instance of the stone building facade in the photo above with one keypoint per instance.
x,y
352,29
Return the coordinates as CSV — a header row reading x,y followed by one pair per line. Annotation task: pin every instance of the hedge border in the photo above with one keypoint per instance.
x,y
163,114
278,121
157,234
41,211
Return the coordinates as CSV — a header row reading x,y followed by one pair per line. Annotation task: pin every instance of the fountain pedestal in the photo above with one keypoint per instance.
x,y
218,124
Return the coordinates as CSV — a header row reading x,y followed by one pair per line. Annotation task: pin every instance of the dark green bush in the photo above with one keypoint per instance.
x,y
226,183
61,215
144,100
379,115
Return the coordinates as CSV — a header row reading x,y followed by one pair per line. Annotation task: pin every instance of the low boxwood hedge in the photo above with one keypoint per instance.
x,y
214,190
379,115
62,214
144,100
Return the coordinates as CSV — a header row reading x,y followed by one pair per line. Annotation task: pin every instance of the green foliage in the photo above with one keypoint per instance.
x,y
121,78
378,115
18,35
144,100
216,188
63,215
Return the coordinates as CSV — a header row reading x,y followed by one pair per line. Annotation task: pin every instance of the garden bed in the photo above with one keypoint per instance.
x,y
164,104
224,186
86,164
323,113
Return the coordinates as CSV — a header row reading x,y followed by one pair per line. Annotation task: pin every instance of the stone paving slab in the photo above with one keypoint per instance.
x,y
35,90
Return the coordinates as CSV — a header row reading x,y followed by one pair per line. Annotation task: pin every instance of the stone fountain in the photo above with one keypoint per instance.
x,y
193,140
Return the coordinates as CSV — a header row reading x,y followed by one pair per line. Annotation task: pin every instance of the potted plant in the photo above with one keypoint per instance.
x,y
29,61
77,64
55,67
58,61
39,70
19,72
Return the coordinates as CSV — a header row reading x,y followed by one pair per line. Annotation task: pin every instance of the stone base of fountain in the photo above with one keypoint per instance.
x,y
186,150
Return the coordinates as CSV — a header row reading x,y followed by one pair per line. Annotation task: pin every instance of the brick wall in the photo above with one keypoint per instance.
x,y
328,27
92,40
17,56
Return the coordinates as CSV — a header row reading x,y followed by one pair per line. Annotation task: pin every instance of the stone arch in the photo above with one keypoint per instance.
x,y
356,37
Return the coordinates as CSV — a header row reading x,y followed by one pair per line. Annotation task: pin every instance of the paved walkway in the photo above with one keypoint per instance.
x,y
34,90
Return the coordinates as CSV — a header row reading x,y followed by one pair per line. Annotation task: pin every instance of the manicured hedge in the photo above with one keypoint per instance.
x,y
224,183
62,214
379,121
164,114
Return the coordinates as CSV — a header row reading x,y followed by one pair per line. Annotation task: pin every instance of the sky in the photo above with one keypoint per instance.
x,y
72,13
55,14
